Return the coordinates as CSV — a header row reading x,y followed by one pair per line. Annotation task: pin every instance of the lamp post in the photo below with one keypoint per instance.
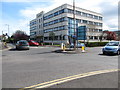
x,y
74,25
8,28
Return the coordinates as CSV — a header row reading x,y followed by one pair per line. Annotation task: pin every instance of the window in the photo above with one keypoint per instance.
x,y
85,21
100,30
39,20
95,17
78,12
70,11
90,22
61,11
95,37
90,15
39,26
56,13
100,24
96,23
90,37
84,14
100,18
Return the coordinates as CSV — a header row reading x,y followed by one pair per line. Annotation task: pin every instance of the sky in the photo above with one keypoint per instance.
x,y
18,13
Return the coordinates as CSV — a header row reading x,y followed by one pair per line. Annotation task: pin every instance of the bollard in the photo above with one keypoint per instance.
x,y
63,47
83,49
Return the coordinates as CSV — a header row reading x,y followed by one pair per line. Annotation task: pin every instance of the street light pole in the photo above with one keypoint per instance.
x,y
74,25
8,28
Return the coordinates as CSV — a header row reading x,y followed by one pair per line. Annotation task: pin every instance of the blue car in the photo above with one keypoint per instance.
x,y
112,47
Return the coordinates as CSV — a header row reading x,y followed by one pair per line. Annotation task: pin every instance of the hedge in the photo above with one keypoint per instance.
x,y
96,44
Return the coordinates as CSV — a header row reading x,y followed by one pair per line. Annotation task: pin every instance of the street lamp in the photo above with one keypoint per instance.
x,y
8,28
74,24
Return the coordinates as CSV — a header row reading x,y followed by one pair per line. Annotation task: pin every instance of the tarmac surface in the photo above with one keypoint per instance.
x,y
40,64
106,80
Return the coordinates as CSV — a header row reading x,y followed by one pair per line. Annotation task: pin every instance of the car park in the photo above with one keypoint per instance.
x,y
112,47
22,44
33,43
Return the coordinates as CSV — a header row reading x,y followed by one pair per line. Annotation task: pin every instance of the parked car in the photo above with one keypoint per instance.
x,y
22,44
33,43
78,45
112,47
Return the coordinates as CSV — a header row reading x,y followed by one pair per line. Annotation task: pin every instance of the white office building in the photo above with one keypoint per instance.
x,y
58,24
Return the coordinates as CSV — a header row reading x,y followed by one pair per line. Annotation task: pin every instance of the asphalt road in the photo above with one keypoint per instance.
x,y
38,65
106,80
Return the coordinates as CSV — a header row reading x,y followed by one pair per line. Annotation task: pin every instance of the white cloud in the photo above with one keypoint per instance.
x,y
29,13
25,0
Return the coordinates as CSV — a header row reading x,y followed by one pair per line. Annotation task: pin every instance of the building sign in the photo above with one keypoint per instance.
x,y
81,33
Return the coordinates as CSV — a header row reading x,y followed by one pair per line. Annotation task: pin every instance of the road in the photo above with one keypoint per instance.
x,y
37,65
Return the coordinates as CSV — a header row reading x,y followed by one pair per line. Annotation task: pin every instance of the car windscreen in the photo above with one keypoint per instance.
x,y
113,44
34,41
25,43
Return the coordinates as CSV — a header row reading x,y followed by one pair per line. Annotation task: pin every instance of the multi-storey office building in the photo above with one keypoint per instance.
x,y
59,23
36,27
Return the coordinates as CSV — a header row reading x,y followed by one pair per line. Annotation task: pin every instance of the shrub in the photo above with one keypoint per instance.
x,y
96,44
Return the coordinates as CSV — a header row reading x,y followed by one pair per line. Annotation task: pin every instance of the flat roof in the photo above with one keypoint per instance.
x,y
75,7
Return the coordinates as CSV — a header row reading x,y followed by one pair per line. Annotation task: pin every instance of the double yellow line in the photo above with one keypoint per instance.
x,y
58,81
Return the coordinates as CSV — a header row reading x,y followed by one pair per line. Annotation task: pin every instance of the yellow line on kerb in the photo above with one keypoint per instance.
x,y
69,78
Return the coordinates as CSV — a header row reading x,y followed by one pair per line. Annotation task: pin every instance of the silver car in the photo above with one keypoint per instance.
x,y
22,44
112,47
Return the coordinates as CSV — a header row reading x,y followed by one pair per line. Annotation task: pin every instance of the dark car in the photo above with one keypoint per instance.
x,y
33,43
22,44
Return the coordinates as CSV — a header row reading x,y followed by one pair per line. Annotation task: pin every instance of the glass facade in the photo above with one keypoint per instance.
x,y
55,29
54,22
54,14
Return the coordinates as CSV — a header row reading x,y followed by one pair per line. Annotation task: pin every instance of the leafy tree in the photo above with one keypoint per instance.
x,y
111,35
20,35
52,36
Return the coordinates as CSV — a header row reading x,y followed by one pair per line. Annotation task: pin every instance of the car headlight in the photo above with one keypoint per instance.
x,y
115,48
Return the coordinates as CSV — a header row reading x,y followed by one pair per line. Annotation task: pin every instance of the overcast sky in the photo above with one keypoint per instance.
x,y
18,13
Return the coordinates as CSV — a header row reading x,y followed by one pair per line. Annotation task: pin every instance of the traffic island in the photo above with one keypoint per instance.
x,y
68,51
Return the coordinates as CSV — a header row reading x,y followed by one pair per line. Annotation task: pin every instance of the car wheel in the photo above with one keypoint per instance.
x,y
104,53
16,48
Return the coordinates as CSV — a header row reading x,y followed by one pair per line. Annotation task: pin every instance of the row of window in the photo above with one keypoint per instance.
x,y
71,21
71,11
54,22
33,23
55,29
94,30
84,14
55,38
63,38
54,14
32,33
33,28
94,37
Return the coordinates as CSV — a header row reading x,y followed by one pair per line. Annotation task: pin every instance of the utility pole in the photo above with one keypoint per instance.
x,y
74,25
8,29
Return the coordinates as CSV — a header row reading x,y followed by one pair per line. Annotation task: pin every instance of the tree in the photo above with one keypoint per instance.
x,y
103,35
111,35
20,35
52,36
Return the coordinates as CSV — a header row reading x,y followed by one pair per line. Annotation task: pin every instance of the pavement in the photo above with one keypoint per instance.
x,y
40,64
9,46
